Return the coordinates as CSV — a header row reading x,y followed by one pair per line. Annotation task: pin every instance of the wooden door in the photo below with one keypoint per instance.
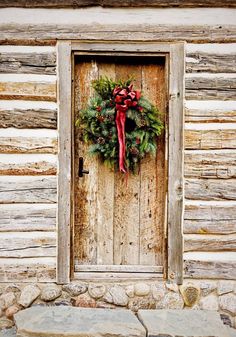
x,y
119,223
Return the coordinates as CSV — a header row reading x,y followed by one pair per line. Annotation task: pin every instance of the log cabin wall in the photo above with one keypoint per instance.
x,y
28,134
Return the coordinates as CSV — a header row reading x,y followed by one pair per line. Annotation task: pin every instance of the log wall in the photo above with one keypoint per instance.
x,y
28,130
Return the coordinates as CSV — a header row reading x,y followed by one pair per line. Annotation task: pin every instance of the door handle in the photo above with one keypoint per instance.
x,y
81,167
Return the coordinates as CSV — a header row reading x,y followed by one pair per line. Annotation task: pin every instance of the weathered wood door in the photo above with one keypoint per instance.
x,y
119,225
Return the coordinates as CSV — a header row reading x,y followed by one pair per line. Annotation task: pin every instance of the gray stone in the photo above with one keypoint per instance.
x,y
117,296
75,289
96,290
227,302
138,303
8,299
8,332
172,287
207,287
79,322
50,292
232,332
209,302
190,294
225,287
129,290
5,323
171,301
182,323
28,295
12,287
141,289
158,291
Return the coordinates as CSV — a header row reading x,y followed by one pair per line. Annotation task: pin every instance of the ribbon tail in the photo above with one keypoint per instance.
x,y
120,124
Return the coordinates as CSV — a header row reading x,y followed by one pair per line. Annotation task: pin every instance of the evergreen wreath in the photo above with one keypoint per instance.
x,y
120,124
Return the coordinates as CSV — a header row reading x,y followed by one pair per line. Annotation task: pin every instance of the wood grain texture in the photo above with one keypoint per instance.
x,y
28,164
210,189
210,139
209,243
64,189
28,63
210,111
24,118
33,244
23,141
35,269
29,189
118,3
118,268
210,164
210,86
28,217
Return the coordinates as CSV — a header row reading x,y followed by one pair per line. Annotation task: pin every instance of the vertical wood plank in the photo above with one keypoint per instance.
x,y
175,171
85,229
105,197
127,193
64,159
153,184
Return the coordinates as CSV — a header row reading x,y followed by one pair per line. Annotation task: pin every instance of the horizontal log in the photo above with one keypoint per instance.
x,y
27,62
204,139
36,269
27,164
28,87
211,58
117,3
28,141
210,111
210,189
32,244
218,266
208,218
208,86
118,268
209,243
28,114
29,189
28,217
210,164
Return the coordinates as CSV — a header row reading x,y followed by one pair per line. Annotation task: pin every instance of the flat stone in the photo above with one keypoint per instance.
x,y
209,302
225,287
28,295
77,322
116,295
182,323
8,332
50,292
228,303
232,332
75,289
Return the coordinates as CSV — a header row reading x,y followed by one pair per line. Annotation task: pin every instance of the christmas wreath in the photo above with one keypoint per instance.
x,y
120,124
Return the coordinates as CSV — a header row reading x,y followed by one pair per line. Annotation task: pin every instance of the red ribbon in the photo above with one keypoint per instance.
x,y
124,99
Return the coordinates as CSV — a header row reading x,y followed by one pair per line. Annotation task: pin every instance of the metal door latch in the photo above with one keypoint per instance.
x,y
81,167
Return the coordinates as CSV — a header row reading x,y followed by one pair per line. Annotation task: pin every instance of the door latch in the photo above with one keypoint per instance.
x,y
81,167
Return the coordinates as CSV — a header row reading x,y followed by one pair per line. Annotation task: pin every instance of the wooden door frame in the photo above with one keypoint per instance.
x,y
175,55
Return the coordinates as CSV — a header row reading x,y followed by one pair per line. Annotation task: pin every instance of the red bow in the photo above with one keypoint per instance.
x,y
124,99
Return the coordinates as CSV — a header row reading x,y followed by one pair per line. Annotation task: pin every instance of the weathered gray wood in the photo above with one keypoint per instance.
x,y
64,158
119,268
210,219
175,170
118,3
210,189
210,111
33,244
210,164
36,269
118,277
28,63
20,189
28,118
208,86
11,164
210,139
212,63
27,217
209,243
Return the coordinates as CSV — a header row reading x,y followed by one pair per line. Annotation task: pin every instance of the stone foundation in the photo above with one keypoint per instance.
x,y
193,294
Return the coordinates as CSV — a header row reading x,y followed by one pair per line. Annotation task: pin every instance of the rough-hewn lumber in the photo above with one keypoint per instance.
x,y
33,244
36,164
28,87
210,164
210,218
208,138
211,58
210,111
37,62
27,217
210,265
210,189
29,189
35,269
28,141
199,242
117,3
210,86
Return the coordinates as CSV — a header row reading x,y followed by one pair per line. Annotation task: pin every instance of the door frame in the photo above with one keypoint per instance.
x,y
175,56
